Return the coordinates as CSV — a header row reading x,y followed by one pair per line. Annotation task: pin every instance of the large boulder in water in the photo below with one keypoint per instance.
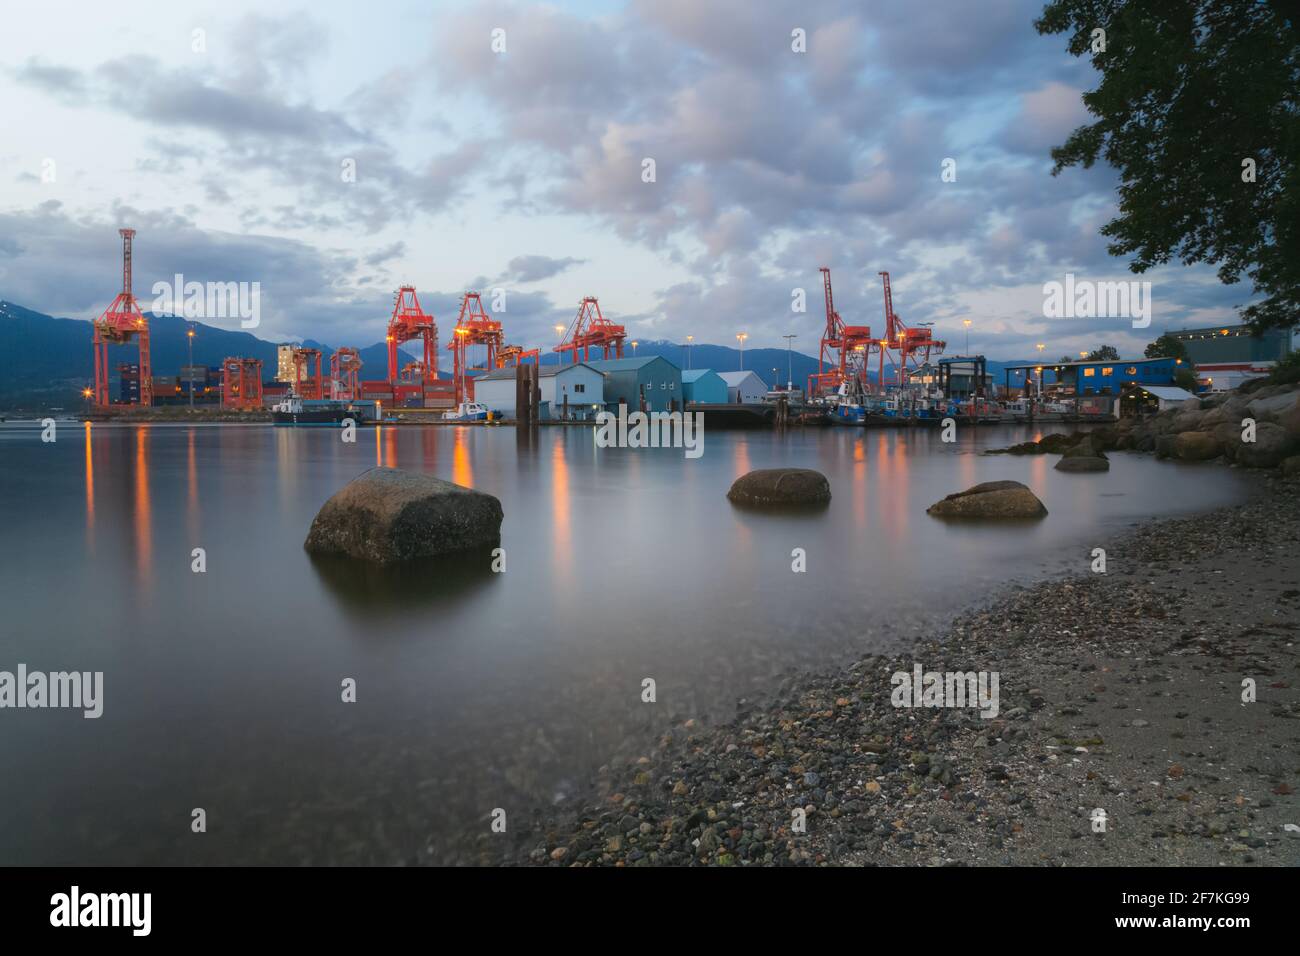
x,y
778,487
992,499
388,515
1082,463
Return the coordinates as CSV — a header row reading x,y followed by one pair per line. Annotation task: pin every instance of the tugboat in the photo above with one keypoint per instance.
x,y
294,411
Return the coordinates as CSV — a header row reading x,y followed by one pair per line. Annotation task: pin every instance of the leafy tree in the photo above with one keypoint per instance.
x,y
1107,353
1168,347
1185,378
1189,92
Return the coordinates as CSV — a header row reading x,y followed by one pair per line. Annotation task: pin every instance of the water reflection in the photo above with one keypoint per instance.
x,y
370,591
462,472
90,491
143,509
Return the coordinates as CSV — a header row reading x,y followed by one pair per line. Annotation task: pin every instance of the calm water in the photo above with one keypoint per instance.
x,y
475,690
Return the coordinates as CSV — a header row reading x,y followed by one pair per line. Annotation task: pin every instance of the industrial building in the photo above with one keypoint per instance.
x,y
568,392
703,386
1225,356
652,384
744,388
1089,377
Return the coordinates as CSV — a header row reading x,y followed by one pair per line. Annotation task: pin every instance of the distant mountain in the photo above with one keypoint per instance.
x,y
47,361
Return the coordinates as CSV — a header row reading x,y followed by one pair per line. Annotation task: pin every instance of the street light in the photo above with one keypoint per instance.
x,y
689,339
86,393
635,343
966,322
189,335
789,376
1040,346
740,337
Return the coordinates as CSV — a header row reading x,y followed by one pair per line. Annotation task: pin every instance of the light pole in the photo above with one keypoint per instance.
x,y
189,335
559,358
635,343
740,337
689,340
1040,346
789,361
966,322
86,393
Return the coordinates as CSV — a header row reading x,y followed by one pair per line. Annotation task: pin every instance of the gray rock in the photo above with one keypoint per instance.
x,y
1197,446
387,515
1272,444
991,499
1273,407
780,486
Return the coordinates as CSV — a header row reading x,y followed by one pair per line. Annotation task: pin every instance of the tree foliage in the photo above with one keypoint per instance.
x,y
1190,90
1107,353
1167,347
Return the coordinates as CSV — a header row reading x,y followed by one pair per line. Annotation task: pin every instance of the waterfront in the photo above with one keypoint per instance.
x,y
475,690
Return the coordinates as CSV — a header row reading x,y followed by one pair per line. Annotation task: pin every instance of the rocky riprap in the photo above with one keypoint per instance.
x,y
388,515
1119,691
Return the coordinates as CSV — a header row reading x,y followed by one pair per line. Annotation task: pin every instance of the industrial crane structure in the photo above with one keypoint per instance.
x,y
904,344
241,383
412,373
590,329
473,327
117,325
409,322
345,369
510,356
844,350
306,373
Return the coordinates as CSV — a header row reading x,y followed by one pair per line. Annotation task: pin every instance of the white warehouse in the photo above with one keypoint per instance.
x,y
581,385
744,388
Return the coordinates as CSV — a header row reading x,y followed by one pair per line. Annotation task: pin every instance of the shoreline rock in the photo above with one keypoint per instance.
x,y
780,487
991,500
387,515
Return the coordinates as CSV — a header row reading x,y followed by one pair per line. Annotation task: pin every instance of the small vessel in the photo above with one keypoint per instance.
x,y
467,412
295,411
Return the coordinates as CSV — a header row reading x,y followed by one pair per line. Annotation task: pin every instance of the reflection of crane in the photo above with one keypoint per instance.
x,y
908,343
511,355
306,373
118,323
408,322
241,383
844,350
345,366
473,327
590,329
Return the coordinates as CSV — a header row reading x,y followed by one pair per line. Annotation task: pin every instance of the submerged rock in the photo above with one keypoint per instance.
x,y
1081,463
388,515
991,499
781,486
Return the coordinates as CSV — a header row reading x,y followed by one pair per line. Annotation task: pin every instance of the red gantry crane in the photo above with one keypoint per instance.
x,y
409,322
511,355
844,349
907,343
590,329
306,373
118,323
473,327
241,383
345,369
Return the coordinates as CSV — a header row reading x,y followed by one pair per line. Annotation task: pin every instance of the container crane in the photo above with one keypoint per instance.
x,y
906,342
345,378
117,325
473,327
590,329
844,350
306,373
510,356
241,383
408,322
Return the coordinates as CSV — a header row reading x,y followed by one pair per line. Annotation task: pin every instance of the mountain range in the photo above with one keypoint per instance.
x,y
46,361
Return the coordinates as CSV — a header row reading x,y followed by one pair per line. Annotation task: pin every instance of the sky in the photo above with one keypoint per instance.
x,y
503,146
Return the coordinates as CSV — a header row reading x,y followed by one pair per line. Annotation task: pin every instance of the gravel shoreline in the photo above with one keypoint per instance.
x,y
1119,691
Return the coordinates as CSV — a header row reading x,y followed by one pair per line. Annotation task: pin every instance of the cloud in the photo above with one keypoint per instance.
x,y
537,268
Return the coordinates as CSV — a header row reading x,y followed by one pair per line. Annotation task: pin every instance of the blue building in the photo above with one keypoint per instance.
x,y
703,385
1081,379
652,383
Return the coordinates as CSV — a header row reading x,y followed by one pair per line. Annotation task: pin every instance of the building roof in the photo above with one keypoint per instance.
x,y
545,371
1047,363
1167,393
626,364
735,378
695,374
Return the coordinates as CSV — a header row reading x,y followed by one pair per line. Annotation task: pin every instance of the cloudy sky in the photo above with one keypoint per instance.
x,y
222,134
